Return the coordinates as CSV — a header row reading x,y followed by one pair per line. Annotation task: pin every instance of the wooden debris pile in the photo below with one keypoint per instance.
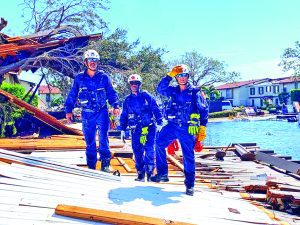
x,y
35,191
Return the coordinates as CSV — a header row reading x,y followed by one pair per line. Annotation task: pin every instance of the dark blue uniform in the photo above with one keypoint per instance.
x,y
180,106
140,111
93,93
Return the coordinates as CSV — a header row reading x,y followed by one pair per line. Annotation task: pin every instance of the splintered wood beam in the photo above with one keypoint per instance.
x,y
123,163
110,216
244,154
176,162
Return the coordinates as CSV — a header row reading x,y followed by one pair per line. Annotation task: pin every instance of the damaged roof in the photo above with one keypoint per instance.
x,y
52,49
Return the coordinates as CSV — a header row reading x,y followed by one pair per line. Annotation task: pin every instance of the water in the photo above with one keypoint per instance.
x,y
280,136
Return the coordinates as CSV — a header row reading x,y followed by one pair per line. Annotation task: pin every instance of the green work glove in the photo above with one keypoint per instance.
x,y
193,127
143,137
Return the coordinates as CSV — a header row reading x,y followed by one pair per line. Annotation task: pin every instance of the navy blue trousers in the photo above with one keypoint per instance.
x,y
165,137
144,154
91,122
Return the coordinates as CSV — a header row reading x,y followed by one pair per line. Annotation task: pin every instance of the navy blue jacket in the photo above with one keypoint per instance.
x,y
190,95
96,90
143,107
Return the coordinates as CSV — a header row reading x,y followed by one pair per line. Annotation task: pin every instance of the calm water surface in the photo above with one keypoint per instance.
x,y
280,136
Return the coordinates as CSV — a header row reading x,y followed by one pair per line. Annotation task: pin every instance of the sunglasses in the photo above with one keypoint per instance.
x,y
182,75
134,83
92,60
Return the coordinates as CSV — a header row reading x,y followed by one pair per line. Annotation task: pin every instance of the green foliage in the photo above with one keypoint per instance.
x,y
295,95
266,103
9,113
7,118
57,101
121,58
18,91
211,93
14,89
239,108
290,59
226,113
283,97
272,109
35,100
205,70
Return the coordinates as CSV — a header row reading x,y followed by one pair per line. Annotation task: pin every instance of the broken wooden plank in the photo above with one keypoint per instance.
x,y
127,168
244,154
176,162
110,216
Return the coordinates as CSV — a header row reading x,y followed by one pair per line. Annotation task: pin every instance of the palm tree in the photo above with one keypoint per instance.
x,y
211,93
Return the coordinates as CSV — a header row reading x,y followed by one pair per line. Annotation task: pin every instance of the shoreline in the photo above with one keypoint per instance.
x,y
210,120
242,118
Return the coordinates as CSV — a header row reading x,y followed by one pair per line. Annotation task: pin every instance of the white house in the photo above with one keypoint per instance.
x,y
253,92
269,89
236,92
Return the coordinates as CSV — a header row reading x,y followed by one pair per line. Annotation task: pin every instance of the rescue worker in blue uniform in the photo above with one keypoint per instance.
x,y
187,115
142,115
92,88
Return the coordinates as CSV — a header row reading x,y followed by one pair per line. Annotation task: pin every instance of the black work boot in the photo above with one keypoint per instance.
x,y
190,191
149,175
149,171
141,176
158,178
105,165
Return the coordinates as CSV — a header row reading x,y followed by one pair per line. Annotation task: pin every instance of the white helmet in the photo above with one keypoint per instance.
x,y
91,54
184,68
135,77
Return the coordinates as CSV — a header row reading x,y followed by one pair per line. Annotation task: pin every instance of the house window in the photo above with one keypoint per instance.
x,y
275,89
268,88
48,98
284,89
296,85
228,93
261,90
252,91
261,102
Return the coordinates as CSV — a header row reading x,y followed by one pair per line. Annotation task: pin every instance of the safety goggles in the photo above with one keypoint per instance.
x,y
182,75
134,83
92,60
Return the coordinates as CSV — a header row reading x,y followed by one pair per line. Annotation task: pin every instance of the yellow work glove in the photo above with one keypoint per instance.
x,y
193,127
202,133
143,137
175,71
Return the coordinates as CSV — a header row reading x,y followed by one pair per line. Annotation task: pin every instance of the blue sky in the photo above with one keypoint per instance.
x,y
248,35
